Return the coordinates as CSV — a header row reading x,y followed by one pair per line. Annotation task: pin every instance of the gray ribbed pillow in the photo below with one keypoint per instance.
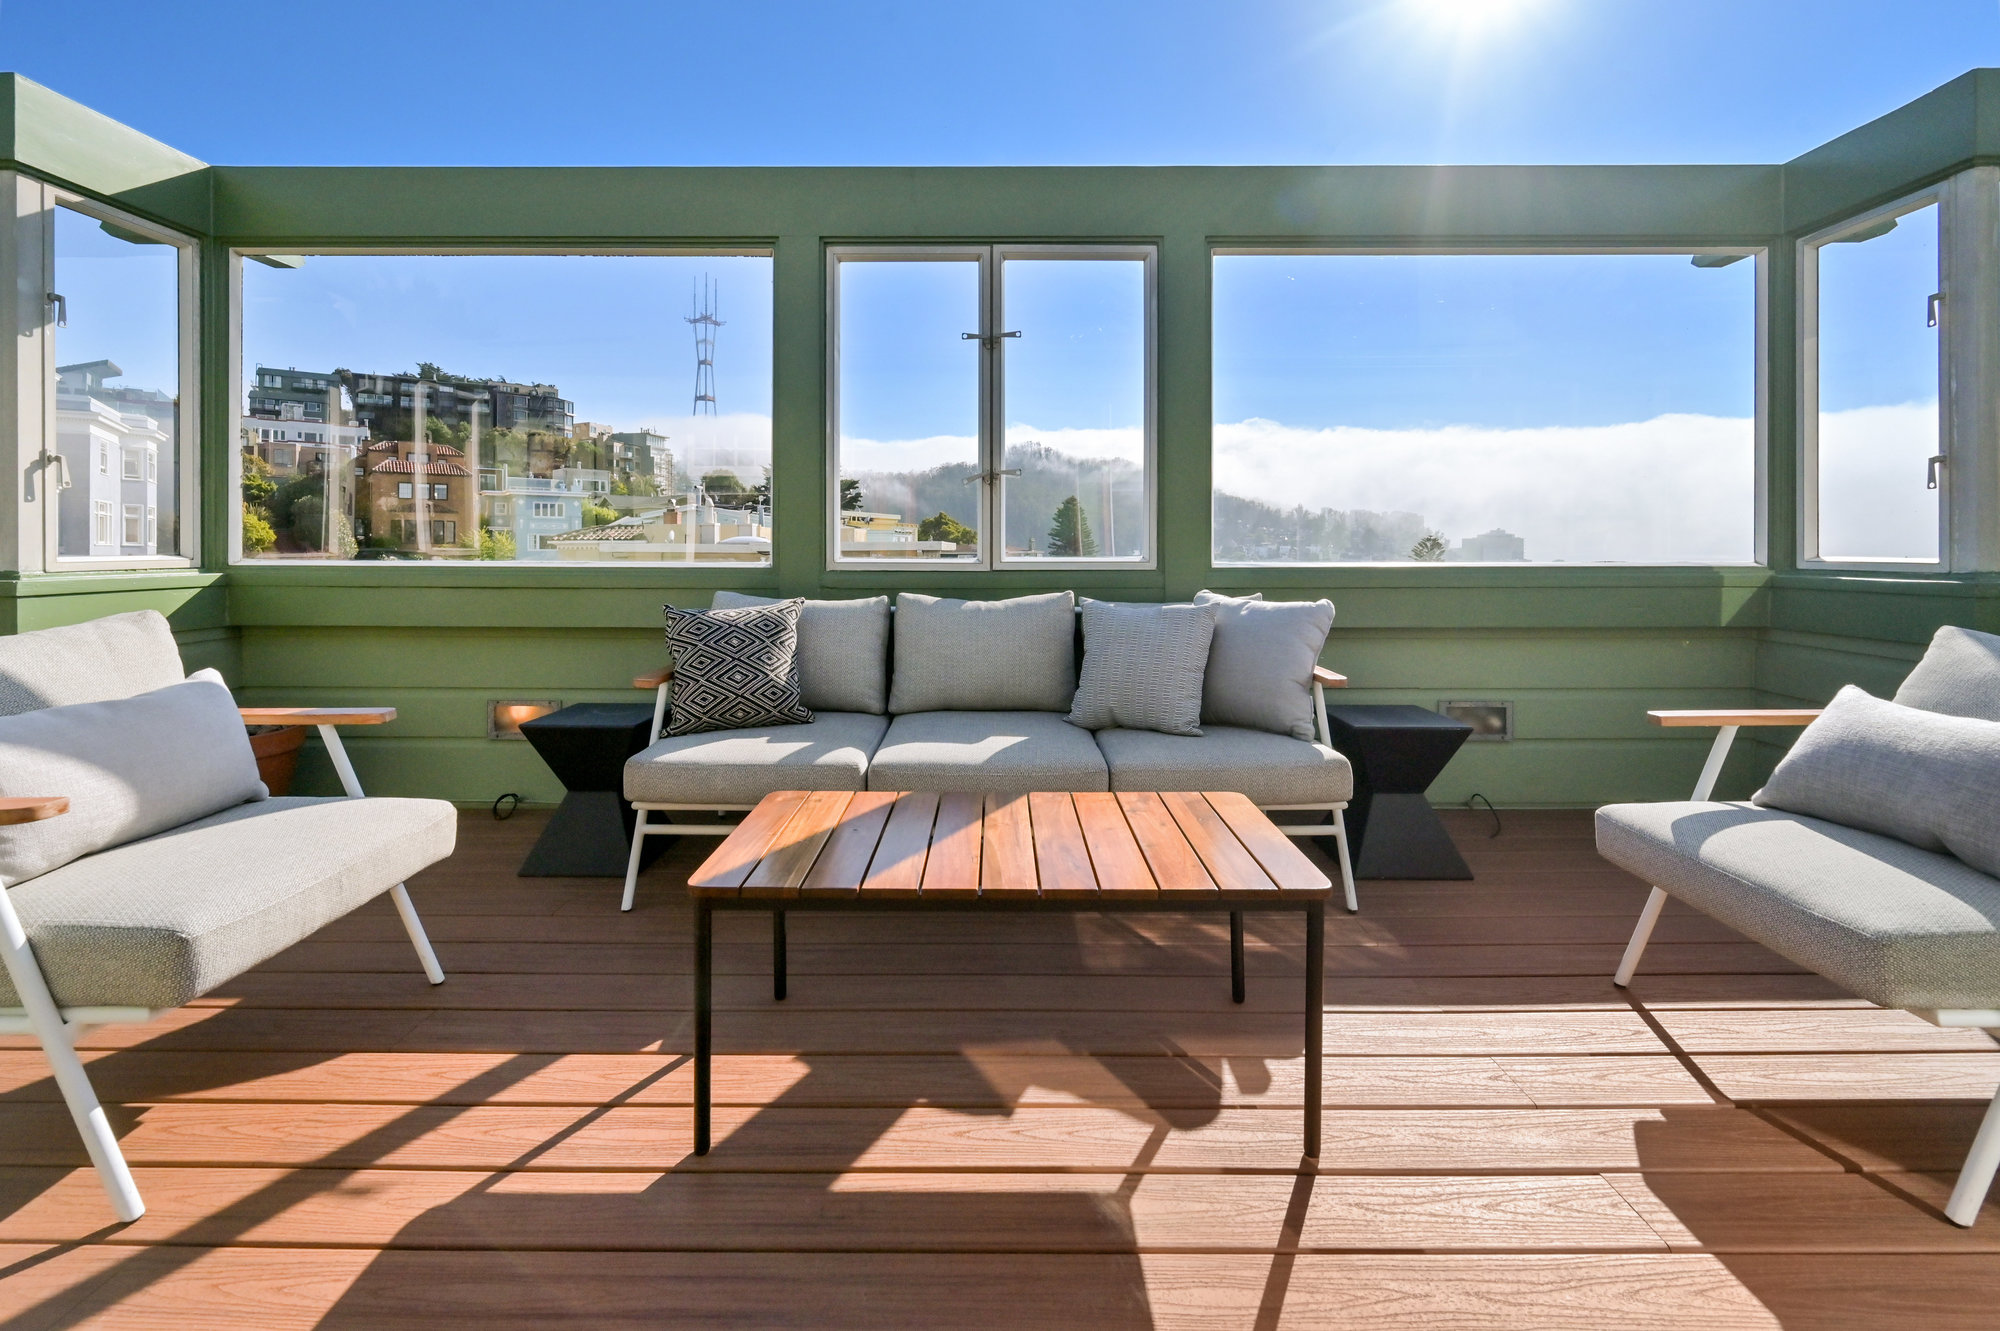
x,y
1017,655
1919,776
131,768
1143,666
734,668
843,651
1959,675
1261,662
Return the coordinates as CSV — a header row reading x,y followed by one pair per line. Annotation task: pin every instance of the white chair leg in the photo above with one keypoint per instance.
x,y
1641,935
632,864
1346,863
414,927
1976,1176
91,1124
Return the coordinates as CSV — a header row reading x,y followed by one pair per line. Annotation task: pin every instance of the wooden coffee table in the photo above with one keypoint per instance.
x,y
886,850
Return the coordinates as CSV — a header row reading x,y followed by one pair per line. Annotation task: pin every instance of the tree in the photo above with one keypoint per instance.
x,y
495,544
258,487
945,527
723,485
1429,547
257,534
1070,537
850,494
598,515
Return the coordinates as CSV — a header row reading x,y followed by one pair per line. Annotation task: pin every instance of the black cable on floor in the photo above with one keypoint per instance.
x,y
1489,808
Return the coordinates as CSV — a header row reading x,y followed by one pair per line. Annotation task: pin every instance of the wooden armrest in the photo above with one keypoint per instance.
x,y
316,716
32,808
652,679
1751,716
1321,675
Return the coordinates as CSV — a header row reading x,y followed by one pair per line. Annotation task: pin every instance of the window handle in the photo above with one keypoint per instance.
x,y
988,339
991,475
1931,308
1931,472
60,462
61,307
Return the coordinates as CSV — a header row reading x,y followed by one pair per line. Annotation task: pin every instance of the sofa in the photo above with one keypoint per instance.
x,y
940,694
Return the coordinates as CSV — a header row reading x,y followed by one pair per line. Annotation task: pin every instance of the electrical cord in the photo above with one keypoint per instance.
x,y
1481,799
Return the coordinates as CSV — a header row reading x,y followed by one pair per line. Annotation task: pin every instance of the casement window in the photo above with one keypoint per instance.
x,y
135,524
405,490
135,466
992,406
102,515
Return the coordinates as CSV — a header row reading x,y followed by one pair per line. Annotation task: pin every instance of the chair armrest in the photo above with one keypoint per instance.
x,y
316,716
1752,716
1321,675
652,679
32,808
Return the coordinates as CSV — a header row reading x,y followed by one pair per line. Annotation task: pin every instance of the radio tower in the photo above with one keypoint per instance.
x,y
704,323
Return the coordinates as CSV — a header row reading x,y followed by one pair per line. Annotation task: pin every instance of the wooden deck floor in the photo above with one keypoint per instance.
x,y
1033,1121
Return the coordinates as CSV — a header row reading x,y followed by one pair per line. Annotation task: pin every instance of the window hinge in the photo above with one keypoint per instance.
x,y
60,306
991,475
988,339
1931,472
1931,308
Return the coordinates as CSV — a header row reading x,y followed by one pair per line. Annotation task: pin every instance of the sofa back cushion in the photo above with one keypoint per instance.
x,y
1919,776
131,767
113,657
1143,666
1959,675
734,669
843,651
1017,655
1261,661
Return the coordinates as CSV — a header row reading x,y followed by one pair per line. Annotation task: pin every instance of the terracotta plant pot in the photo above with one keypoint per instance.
x,y
277,750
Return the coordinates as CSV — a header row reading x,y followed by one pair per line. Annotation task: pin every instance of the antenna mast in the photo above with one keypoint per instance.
x,y
704,323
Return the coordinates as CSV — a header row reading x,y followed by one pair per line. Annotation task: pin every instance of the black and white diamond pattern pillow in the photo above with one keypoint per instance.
x,y
735,668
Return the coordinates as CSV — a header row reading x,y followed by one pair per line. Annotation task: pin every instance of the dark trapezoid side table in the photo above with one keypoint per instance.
x,y
1397,751
586,745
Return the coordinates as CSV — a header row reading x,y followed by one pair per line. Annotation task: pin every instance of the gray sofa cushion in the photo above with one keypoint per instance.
x,y
1269,769
830,752
843,651
157,922
1959,675
113,657
1260,665
992,753
965,656
734,668
131,767
1143,666
1924,778
1898,926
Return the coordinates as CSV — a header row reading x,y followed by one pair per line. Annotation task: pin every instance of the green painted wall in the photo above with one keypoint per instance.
x,y
1581,652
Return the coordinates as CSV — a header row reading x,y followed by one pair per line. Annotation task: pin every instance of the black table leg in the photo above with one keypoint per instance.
x,y
778,955
703,947
1315,1006
1236,956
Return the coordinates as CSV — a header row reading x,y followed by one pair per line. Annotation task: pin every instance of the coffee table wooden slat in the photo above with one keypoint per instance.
x,y
1276,853
843,862
1114,851
793,851
742,850
1176,868
953,864
898,867
1060,855
1007,868
1231,866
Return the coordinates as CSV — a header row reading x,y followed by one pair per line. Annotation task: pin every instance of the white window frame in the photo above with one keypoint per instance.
x,y
1968,279
103,522
1759,255
134,528
992,404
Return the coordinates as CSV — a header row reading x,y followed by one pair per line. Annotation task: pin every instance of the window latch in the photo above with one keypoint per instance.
x,y
988,339
991,475
59,462
60,306
1931,472
1931,308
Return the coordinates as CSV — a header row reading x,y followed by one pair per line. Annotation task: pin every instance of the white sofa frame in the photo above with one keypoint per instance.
x,y
1975,1177
660,680
58,1029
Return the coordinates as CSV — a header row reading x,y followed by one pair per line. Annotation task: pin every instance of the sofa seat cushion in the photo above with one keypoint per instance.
x,y
990,753
1896,925
157,922
1269,769
725,767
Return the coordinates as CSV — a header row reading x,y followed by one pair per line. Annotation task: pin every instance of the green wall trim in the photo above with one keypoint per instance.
x,y
67,143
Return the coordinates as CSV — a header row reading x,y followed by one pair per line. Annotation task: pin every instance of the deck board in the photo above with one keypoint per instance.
x,y
1012,1120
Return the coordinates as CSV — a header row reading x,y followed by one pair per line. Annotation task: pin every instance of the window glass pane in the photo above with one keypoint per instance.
x,y
908,433
117,388
1484,408
1878,391
1075,388
573,408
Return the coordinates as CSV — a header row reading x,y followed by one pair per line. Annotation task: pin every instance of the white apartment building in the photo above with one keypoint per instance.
x,y
113,460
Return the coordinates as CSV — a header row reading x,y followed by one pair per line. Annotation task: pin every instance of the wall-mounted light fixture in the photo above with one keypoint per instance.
x,y
1489,720
504,718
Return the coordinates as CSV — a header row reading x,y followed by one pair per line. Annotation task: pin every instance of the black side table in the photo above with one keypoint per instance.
x,y
586,745
1397,752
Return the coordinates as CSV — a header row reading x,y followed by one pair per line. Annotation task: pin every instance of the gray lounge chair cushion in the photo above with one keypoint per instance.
x,y
1924,778
157,922
987,656
1959,675
131,767
1142,666
1896,925
113,657
1261,662
1269,769
726,767
991,753
843,651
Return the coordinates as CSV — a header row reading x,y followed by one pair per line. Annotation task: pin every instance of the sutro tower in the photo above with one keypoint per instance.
x,y
704,323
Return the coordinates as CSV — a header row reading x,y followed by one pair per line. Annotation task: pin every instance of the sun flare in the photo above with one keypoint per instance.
x,y
1471,15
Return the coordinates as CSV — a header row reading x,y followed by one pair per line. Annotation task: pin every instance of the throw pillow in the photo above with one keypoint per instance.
x,y
1917,776
1143,667
1017,655
734,668
843,651
1261,662
131,767
1959,675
